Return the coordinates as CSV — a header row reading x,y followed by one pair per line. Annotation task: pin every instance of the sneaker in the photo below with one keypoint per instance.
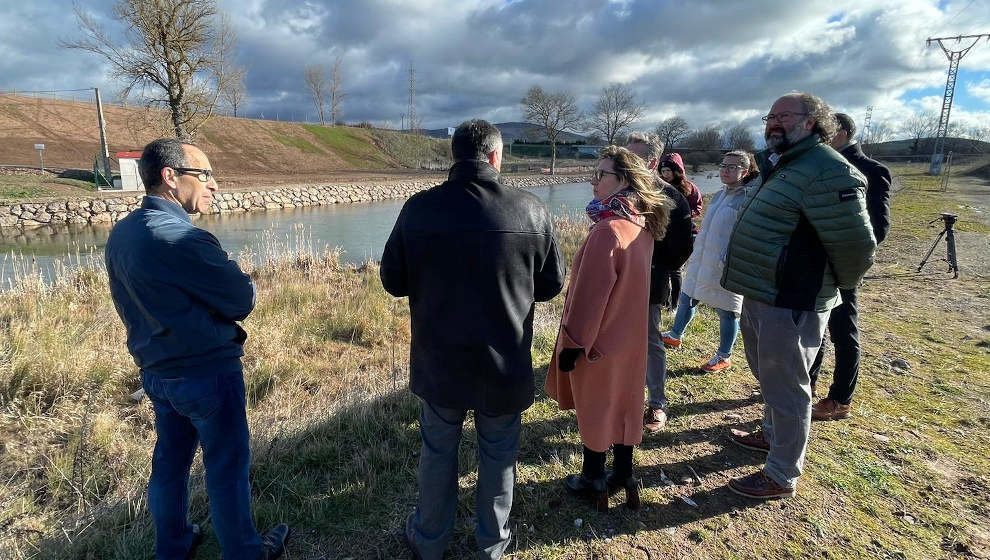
x,y
759,486
654,419
830,409
716,364
750,440
670,341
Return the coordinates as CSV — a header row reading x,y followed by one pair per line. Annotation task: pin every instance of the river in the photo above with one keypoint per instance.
x,y
358,229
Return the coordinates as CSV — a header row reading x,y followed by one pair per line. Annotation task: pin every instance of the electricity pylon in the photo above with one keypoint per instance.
x,y
950,87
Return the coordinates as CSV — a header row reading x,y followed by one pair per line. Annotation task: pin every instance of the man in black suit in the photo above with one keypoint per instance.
x,y
842,326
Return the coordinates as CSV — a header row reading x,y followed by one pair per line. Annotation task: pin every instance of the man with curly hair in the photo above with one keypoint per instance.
x,y
801,235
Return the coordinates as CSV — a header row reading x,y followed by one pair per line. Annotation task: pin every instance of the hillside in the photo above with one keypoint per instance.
x,y
245,149
512,131
903,148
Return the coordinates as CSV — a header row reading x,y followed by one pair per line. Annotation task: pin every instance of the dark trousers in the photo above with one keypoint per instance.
x,y
844,333
189,412
432,525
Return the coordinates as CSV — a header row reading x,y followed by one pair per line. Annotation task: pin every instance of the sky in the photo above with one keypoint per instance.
x,y
711,62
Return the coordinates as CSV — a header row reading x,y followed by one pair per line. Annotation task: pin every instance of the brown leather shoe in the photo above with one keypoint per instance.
x,y
749,440
830,409
654,419
759,486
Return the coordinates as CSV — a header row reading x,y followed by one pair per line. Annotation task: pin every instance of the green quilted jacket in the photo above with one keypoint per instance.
x,y
803,233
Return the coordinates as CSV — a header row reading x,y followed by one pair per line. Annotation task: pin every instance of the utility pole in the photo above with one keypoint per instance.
x,y
950,87
104,149
413,125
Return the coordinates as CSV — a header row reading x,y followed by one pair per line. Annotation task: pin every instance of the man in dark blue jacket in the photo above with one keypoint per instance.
x,y
472,255
180,297
842,323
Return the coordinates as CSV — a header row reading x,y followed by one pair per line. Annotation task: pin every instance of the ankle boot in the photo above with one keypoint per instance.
x,y
596,489
631,485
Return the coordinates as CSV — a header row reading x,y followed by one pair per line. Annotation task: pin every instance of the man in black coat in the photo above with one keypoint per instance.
x,y
472,256
669,254
842,326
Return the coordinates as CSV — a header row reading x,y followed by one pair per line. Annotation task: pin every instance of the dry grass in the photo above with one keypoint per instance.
x,y
335,438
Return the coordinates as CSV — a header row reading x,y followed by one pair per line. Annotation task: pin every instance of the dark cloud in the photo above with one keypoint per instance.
x,y
712,62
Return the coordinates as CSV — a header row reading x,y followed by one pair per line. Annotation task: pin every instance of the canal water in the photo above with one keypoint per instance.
x,y
358,229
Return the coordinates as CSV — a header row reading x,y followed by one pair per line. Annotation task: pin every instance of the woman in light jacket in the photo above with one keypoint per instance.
x,y
599,362
704,269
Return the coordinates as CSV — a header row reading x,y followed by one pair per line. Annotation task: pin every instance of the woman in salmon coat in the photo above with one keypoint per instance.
x,y
599,363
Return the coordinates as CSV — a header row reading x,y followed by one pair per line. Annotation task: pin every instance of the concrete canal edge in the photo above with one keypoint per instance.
x,y
108,208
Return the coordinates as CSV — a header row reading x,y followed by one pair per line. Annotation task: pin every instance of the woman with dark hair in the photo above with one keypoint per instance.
x,y
672,171
599,363
704,269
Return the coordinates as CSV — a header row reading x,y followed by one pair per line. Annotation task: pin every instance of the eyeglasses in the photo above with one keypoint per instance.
x,y
730,166
599,173
204,175
781,117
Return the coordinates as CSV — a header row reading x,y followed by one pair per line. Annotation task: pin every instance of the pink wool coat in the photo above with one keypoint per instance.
x,y
606,313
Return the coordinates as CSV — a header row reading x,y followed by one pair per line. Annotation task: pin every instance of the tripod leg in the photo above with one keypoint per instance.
x,y
928,255
950,249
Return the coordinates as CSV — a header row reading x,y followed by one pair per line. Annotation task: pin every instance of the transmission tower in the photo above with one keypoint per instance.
x,y
950,87
413,125
866,122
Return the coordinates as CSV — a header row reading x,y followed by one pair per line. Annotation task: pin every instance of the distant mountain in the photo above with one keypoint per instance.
x,y
512,131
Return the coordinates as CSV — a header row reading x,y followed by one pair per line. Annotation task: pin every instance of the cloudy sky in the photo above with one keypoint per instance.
x,y
710,61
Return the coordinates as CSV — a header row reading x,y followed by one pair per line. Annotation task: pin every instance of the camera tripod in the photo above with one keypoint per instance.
x,y
950,243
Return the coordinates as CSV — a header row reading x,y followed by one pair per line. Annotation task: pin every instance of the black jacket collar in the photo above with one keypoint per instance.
x,y
853,150
473,170
153,202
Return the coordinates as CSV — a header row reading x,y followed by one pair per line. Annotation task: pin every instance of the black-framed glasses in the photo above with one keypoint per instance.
x,y
730,166
599,173
781,117
203,175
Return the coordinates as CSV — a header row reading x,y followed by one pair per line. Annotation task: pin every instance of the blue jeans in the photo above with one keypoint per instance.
x,y
656,360
728,324
189,412
431,527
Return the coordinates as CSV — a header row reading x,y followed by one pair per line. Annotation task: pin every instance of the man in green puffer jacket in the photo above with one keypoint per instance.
x,y
802,234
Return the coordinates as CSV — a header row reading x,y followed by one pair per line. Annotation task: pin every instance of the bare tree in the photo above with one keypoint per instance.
x,y
738,138
235,93
318,86
615,111
672,130
336,94
921,125
878,133
555,112
175,55
708,139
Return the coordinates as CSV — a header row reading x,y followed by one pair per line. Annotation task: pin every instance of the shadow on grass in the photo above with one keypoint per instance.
x,y
346,483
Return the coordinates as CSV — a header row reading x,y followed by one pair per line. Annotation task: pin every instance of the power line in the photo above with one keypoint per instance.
x,y
959,12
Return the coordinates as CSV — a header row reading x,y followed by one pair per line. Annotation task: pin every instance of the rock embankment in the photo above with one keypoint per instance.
x,y
109,208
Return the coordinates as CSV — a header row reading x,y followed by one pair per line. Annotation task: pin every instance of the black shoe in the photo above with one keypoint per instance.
x,y
197,532
594,488
631,484
274,542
